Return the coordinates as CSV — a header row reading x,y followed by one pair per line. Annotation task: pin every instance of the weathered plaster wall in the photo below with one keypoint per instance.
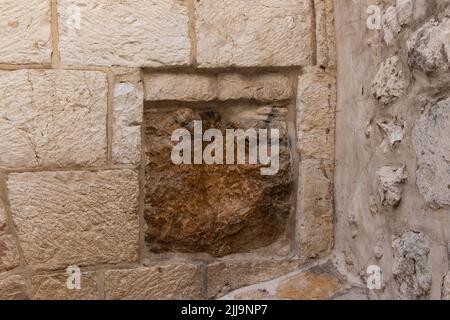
x,y
392,149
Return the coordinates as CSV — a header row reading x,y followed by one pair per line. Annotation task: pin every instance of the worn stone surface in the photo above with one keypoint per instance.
x,y
52,118
390,181
75,218
218,209
390,82
54,287
318,283
411,268
173,281
431,141
2,216
180,86
393,132
325,33
127,120
14,288
405,11
224,277
316,106
261,87
391,25
429,47
9,253
315,207
260,33
130,33
25,35
446,288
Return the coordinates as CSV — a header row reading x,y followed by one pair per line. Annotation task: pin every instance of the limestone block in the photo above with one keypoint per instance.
x,y
167,282
316,108
390,185
256,33
52,118
54,287
14,288
9,253
75,218
224,277
127,120
129,33
262,87
315,204
25,32
179,86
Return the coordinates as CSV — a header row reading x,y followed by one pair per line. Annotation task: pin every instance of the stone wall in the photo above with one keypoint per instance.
x,y
90,92
392,171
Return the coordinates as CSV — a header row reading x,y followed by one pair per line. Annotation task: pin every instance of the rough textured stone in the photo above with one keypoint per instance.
x,y
219,209
405,11
316,109
411,268
224,277
393,131
259,294
75,218
179,86
391,25
429,47
173,281
325,33
129,33
263,87
9,253
54,287
52,118
431,141
127,120
318,283
260,33
390,82
315,207
2,216
390,189
14,288
25,35
446,288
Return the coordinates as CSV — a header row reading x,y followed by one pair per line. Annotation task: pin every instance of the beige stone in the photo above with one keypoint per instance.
x,y
52,118
127,120
130,33
173,281
25,32
75,218
262,87
316,108
256,33
314,284
9,253
54,287
180,86
14,288
2,216
223,277
325,33
315,205
446,287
